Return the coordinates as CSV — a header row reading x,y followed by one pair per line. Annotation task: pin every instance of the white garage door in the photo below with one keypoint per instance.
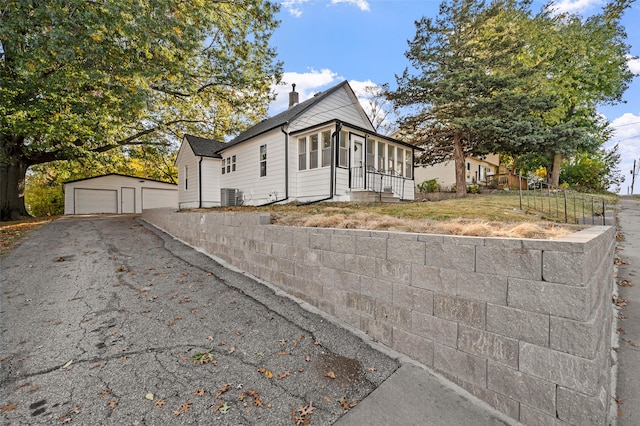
x,y
88,201
153,198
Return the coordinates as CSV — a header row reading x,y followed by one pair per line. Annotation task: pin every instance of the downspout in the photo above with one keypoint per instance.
x,y
286,162
200,183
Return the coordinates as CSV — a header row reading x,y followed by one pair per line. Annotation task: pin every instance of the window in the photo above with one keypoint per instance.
x,y
228,164
233,163
186,177
399,161
408,164
302,154
224,165
380,156
263,160
343,152
390,157
326,148
313,153
371,147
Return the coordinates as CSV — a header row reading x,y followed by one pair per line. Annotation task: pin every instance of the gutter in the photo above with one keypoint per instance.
x,y
286,163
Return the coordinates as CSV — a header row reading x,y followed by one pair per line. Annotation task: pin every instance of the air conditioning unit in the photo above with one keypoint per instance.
x,y
230,197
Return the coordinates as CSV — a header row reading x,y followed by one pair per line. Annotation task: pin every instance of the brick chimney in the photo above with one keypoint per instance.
x,y
293,97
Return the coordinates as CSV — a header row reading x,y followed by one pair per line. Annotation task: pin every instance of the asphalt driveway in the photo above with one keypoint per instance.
x,y
105,320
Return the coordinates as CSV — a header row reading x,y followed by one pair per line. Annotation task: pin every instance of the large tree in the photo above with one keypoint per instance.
x,y
585,64
470,95
494,78
80,77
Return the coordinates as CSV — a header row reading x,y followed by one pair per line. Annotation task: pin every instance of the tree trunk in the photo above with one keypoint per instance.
x,y
13,170
554,178
460,165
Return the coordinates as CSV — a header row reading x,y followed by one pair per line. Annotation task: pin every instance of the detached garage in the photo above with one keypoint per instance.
x,y
115,194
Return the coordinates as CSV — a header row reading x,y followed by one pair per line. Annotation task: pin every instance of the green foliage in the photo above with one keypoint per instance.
x,y
430,185
473,189
593,171
44,199
471,94
492,77
528,164
81,78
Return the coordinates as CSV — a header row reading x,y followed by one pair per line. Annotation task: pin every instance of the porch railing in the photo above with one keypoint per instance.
x,y
371,179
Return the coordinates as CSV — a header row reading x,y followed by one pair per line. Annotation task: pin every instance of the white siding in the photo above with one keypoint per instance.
x,y
444,173
210,169
313,184
153,198
339,105
188,190
256,189
342,183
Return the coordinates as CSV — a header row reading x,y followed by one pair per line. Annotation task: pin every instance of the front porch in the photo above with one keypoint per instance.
x,y
368,184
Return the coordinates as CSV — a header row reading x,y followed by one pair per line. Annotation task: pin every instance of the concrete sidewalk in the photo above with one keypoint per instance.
x,y
628,386
413,396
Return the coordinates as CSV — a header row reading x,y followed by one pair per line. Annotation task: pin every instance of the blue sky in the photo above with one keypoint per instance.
x,y
323,42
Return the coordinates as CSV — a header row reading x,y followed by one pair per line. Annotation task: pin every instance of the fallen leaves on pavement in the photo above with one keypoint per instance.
x,y
184,408
267,373
8,407
253,394
224,388
303,415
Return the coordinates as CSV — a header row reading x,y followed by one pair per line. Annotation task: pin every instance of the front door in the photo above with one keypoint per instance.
x,y
357,167
128,202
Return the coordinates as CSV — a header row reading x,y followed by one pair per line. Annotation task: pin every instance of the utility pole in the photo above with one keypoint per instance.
x,y
634,173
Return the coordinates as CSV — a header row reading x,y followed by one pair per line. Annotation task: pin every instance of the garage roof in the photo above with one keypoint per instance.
x,y
119,174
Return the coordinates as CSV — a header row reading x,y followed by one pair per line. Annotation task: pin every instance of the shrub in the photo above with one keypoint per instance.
x,y
430,185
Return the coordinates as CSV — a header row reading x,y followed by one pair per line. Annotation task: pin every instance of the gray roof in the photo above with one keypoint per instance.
x,y
283,118
203,147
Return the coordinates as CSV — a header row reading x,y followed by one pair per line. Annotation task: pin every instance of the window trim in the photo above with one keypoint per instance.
x,y
302,153
314,154
326,150
263,160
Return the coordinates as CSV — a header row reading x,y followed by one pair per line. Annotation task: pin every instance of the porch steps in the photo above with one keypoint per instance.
x,y
374,197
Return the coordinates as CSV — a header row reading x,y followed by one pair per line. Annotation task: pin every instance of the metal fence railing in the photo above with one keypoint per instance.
x,y
377,181
564,205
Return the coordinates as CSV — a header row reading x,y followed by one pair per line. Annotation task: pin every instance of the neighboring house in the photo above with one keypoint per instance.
x,y
477,171
115,193
324,148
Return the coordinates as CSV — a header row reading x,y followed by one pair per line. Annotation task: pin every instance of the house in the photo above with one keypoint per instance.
x,y
115,193
478,171
324,148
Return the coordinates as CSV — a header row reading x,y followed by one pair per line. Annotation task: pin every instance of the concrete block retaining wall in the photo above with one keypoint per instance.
x,y
524,325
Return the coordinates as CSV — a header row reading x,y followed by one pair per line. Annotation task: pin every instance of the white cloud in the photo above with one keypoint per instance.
x,y
627,136
292,6
634,65
307,84
574,6
361,4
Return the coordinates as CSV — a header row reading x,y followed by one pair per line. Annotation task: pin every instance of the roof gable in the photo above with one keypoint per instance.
x,y
203,147
285,117
138,178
